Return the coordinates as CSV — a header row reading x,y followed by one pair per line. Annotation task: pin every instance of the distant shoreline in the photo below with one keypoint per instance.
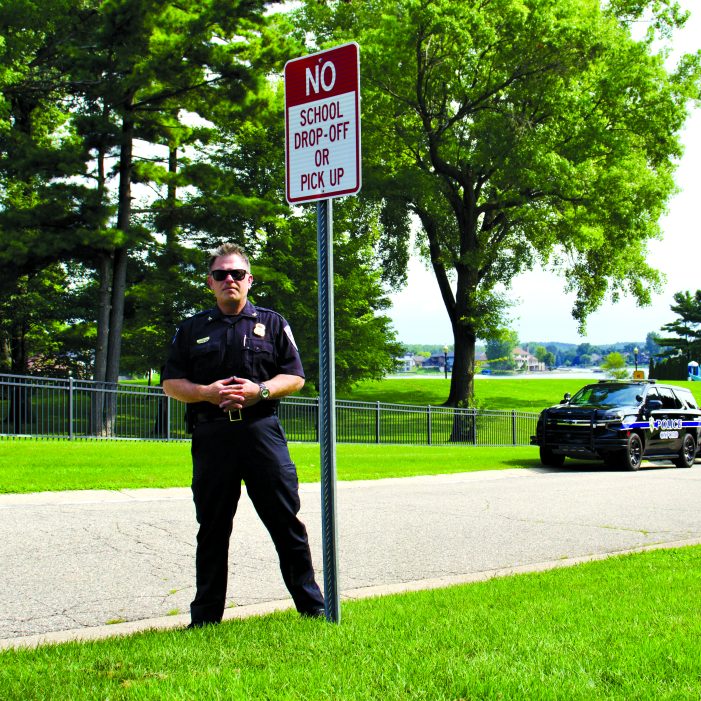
x,y
559,374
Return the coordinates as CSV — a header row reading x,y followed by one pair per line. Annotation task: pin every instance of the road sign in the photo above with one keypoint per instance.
x,y
322,124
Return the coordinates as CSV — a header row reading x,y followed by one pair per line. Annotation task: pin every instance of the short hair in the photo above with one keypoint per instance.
x,y
228,249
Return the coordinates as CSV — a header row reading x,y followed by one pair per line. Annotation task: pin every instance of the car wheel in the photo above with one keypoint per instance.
x,y
634,452
688,452
550,459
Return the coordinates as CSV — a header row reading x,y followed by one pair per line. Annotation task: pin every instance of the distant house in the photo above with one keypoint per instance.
x,y
438,360
406,363
526,362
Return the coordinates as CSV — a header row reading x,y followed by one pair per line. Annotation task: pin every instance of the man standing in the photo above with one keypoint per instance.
x,y
231,365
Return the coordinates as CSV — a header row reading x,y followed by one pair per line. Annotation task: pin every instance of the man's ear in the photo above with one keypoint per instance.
x,y
210,283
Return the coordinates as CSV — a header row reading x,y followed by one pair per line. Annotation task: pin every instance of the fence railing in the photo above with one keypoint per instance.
x,y
43,407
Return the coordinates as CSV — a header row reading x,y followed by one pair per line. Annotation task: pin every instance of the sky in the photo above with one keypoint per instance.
x,y
542,312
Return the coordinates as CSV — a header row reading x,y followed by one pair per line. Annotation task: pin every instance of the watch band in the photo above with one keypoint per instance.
x,y
264,392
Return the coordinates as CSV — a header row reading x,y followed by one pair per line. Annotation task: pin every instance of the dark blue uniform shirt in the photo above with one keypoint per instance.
x,y
256,344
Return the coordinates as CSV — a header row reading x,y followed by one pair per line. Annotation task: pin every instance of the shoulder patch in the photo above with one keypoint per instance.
x,y
288,332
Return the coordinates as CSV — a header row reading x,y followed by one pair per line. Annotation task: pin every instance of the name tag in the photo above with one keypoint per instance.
x,y
203,340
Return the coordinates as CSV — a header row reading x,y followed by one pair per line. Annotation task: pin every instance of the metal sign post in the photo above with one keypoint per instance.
x,y
322,160
327,409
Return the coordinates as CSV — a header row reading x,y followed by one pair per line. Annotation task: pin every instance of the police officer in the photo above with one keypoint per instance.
x,y
231,365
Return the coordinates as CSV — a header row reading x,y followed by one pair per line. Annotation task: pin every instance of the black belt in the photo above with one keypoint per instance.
x,y
234,416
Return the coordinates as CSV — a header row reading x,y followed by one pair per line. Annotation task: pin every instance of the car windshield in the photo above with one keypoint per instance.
x,y
607,396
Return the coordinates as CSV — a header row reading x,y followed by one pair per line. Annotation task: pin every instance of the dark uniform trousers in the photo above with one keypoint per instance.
x,y
255,451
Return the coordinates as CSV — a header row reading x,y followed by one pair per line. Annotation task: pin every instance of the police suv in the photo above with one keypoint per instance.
x,y
621,423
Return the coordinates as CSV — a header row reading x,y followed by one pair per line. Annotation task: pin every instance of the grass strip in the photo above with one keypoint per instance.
x,y
505,394
624,628
57,465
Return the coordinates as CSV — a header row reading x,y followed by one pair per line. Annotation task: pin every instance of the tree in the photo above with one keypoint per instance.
x,y
520,133
544,356
686,340
365,343
499,349
49,212
652,345
614,366
244,202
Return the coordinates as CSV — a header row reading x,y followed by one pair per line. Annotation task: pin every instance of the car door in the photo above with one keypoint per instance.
x,y
668,423
652,439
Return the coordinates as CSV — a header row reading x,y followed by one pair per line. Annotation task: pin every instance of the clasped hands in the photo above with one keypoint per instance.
x,y
234,393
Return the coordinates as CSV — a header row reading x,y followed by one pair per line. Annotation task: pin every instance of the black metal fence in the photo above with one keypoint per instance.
x,y
43,407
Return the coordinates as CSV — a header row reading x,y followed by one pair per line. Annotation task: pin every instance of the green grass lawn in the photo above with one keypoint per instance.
x,y
52,465
521,394
55,465
626,628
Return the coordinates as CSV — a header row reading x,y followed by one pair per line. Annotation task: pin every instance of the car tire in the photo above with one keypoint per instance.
x,y
687,454
633,454
550,459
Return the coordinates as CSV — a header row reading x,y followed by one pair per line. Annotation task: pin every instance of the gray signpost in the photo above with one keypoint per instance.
x,y
322,161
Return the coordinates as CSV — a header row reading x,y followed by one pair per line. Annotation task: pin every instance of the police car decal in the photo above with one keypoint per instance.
x,y
669,428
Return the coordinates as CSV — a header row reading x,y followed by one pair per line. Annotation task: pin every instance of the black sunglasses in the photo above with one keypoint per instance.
x,y
221,275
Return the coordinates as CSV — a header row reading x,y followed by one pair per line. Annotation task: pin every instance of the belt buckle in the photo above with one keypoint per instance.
x,y
235,416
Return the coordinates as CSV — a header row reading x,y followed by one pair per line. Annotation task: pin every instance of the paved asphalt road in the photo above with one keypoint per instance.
x,y
74,563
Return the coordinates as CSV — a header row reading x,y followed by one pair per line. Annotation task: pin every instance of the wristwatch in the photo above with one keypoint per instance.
x,y
264,392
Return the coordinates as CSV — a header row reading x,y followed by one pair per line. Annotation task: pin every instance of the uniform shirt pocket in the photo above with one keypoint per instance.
x,y
260,358
205,359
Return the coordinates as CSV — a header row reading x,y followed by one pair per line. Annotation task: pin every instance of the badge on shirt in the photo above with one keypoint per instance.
x,y
259,330
203,340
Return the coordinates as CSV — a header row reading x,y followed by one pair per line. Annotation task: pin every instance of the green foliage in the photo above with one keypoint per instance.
x,y
366,345
499,350
686,329
652,345
614,366
239,198
87,80
542,354
519,134
425,350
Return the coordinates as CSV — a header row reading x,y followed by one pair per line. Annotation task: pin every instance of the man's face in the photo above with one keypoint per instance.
x,y
231,294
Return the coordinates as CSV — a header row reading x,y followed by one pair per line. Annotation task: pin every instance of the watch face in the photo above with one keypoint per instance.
x,y
264,392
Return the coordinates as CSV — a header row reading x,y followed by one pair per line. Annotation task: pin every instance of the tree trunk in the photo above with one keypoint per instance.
x,y
5,352
97,403
19,414
103,317
119,273
458,307
171,231
105,277
462,380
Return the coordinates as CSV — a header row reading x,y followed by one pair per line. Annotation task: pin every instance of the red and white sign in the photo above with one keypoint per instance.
x,y
322,124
